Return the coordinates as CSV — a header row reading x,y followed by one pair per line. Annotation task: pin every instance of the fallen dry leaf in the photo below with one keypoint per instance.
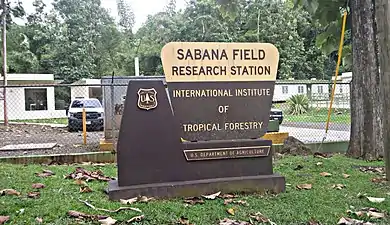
x,y
38,186
379,180
144,199
369,212
9,192
258,217
304,186
39,220
212,196
224,196
33,194
375,200
85,189
83,174
184,221
136,219
230,211
313,222
3,219
227,201
80,215
346,175
135,199
372,169
107,221
349,221
239,202
80,182
375,215
338,186
227,221
194,200
325,174
322,155
128,201
45,173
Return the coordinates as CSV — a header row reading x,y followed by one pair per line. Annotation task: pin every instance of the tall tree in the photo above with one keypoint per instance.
x,y
126,16
366,139
383,33
83,23
366,105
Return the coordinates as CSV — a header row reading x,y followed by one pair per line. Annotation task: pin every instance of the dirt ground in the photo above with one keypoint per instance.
x,y
66,142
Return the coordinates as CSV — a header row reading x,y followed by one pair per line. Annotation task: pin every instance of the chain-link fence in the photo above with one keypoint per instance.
x,y
305,107
48,118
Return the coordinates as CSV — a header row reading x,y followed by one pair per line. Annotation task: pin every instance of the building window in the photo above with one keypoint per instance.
x,y
35,99
96,92
285,89
320,89
61,97
300,89
341,88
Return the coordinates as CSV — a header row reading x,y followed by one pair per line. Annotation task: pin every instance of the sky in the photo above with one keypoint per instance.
x,y
141,8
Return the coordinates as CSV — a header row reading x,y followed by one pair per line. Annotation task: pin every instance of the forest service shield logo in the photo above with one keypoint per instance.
x,y
147,98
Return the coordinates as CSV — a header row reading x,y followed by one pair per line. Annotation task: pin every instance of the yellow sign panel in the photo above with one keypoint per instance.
x,y
219,62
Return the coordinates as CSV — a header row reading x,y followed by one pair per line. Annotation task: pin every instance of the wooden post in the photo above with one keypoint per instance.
x,y
382,13
84,127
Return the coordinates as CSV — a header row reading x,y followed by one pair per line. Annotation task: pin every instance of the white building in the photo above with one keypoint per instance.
x,y
30,102
92,89
343,84
284,89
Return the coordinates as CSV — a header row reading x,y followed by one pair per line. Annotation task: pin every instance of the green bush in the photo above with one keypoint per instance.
x,y
298,104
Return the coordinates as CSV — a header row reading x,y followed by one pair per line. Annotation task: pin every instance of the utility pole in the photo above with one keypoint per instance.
x,y
4,21
382,14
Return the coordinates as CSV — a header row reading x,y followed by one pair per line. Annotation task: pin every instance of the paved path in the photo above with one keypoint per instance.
x,y
309,135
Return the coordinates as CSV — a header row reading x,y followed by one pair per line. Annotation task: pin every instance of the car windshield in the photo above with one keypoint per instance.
x,y
86,103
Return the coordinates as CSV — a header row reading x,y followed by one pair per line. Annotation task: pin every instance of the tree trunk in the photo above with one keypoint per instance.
x,y
383,35
366,103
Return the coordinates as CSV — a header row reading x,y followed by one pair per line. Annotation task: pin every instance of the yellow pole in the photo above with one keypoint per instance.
x,y
337,70
84,127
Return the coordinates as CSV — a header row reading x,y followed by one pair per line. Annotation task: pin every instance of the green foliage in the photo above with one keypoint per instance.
x,y
79,39
126,16
329,14
298,104
291,30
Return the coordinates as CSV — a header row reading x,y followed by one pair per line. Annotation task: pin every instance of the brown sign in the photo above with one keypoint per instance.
x,y
149,139
220,91
227,153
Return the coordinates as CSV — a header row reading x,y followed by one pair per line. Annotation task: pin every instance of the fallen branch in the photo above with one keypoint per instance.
x,y
110,211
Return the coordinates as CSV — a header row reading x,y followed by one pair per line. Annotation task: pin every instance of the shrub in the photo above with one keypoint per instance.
x,y
298,104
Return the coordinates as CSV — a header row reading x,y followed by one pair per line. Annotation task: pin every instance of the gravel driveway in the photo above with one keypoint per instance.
x,y
66,142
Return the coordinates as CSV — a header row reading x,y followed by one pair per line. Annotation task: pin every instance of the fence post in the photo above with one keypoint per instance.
x,y
113,123
84,126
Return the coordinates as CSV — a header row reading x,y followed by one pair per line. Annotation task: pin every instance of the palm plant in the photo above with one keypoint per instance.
x,y
298,104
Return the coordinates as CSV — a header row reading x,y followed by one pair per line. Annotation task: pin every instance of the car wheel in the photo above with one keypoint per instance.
x,y
280,122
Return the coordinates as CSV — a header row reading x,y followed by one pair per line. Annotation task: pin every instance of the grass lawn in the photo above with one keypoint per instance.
x,y
319,116
321,203
312,117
